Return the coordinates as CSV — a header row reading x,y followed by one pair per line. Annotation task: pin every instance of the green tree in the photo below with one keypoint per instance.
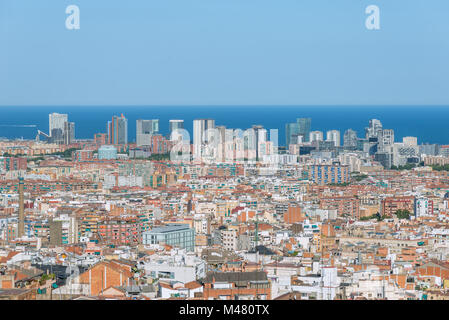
x,y
402,214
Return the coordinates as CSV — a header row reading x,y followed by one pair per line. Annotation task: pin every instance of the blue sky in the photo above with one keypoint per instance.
x,y
224,52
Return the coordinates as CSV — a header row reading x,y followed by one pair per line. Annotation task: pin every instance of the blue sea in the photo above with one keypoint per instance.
x,y
428,123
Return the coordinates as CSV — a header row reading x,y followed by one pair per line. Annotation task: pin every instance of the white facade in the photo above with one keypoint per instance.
x,y
199,129
179,266
56,121
334,136
316,136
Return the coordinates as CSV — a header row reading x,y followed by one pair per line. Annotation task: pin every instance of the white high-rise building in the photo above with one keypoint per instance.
x,y
374,127
350,139
176,124
333,135
177,130
200,126
316,136
56,121
61,131
386,140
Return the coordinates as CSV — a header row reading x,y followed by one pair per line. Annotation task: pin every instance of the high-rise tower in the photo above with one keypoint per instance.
x,y
118,130
200,127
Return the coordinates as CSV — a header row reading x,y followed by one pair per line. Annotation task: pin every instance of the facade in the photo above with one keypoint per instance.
x,y
293,215
120,231
372,131
423,207
444,151
107,152
299,130
229,239
118,130
390,205
82,155
12,164
291,133
345,205
405,152
61,131
329,174
429,149
69,132
56,121
304,125
350,139
102,276
159,144
176,124
144,130
176,235
316,136
237,286
334,136
386,139
200,127
179,266
101,138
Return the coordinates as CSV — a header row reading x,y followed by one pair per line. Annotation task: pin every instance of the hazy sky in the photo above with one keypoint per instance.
x,y
157,52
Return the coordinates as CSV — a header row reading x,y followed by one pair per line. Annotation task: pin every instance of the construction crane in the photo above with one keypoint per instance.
x,y
41,133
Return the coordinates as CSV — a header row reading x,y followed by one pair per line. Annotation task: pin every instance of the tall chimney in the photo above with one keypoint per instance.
x,y
21,227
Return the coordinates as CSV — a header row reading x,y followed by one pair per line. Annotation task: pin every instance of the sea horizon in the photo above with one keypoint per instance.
x,y
427,123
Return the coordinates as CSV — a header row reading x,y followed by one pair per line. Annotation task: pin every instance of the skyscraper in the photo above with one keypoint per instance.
x,y
56,121
260,137
144,130
385,139
291,131
118,130
334,136
316,136
304,127
350,139
221,155
69,132
200,126
174,126
60,130
299,128
372,131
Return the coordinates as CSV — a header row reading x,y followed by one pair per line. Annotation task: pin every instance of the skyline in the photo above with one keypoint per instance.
x,y
426,123
189,52
213,156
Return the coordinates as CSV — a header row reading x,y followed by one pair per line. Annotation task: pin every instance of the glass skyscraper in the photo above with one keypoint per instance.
x,y
299,128
144,130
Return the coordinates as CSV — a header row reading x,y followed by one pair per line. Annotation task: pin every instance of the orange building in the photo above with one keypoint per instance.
x,y
237,286
434,268
293,215
106,274
392,204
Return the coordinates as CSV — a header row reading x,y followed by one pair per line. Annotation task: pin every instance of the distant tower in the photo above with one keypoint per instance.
x,y
21,226
118,130
200,127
